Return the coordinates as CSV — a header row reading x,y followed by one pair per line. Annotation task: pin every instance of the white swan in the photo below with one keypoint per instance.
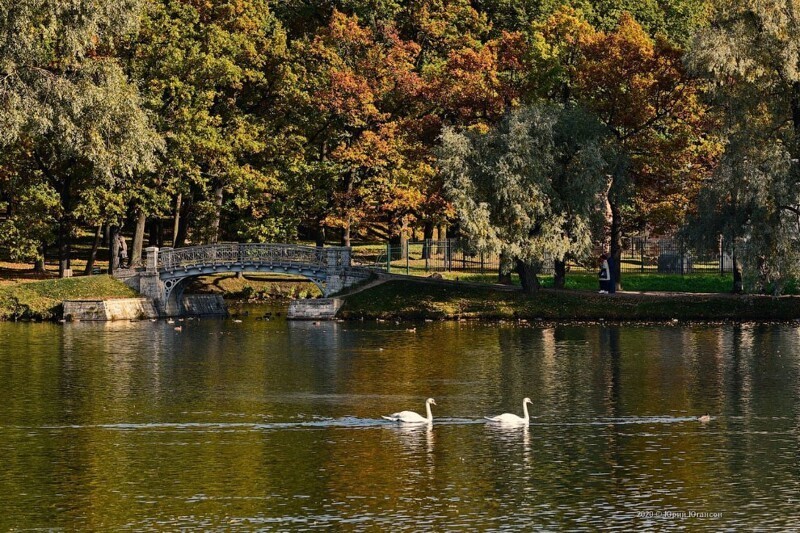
x,y
512,419
411,416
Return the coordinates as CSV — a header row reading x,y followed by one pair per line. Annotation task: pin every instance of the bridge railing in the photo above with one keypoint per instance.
x,y
249,253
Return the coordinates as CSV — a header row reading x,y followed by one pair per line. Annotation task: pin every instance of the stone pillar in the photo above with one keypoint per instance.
x,y
334,283
151,267
332,258
150,284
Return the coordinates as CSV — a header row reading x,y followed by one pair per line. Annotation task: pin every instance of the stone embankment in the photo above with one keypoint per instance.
x,y
314,309
139,308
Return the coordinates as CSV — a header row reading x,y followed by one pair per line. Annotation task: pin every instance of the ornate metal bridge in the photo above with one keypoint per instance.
x,y
167,269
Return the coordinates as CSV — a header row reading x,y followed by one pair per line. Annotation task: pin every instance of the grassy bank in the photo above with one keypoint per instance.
x,y
706,283
413,300
41,300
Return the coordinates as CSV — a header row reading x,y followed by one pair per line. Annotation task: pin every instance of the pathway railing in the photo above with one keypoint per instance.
x,y
639,254
253,253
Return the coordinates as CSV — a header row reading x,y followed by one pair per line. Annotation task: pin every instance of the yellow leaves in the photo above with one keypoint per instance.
x,y
566,28
345,30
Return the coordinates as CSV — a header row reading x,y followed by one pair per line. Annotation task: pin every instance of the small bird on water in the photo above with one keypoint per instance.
x,y
705,418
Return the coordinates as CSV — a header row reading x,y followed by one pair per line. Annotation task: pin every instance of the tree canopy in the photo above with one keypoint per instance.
x,y
189,122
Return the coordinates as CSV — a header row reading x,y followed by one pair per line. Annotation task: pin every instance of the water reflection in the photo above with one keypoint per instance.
x,y
277,425
417,439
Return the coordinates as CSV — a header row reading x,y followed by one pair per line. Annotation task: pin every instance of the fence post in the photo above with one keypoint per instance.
x,y
427,247
681,258
481,263
642,244
721,257
388,257
408,246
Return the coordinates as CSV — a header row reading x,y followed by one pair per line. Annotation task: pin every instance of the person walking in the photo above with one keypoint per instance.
x,y
122,250
604,274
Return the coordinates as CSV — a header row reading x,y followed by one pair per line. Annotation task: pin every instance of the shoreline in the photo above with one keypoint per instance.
x,y
424,299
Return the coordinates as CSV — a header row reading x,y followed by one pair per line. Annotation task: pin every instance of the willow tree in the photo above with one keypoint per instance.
x,y
66,105
528,189
750,55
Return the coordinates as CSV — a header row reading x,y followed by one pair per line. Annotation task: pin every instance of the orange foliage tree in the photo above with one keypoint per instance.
x,y
637,86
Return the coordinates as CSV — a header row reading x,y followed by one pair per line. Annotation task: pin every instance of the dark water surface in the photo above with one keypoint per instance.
x,y
275,425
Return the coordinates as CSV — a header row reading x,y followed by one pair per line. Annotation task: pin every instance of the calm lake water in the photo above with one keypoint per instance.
x,y
277,426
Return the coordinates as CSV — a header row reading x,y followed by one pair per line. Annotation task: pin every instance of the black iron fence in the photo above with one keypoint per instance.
x,y
639,254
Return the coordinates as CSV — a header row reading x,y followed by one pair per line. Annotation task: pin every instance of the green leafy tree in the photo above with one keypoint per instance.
x,y
214,76
749,54
529,188
31,208
66,103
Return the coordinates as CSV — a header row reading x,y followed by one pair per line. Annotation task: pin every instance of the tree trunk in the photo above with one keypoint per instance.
x,y
177,219
346,233
160,232
559,274
395,243
38,265
504,278
795,105
427,237
65,228
183,224
138,238
404,238
93,254
442,232
349,183
113,250
152,233
616,244
528,278
215,223
106,235
320,236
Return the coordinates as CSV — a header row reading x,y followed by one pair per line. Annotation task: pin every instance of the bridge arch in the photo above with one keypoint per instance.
x,y
168,269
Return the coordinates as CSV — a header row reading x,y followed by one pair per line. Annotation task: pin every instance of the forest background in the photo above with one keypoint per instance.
x,y
536,129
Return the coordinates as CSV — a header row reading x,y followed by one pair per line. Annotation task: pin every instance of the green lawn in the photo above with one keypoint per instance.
x,y
41,300
704,283
414,300
701,283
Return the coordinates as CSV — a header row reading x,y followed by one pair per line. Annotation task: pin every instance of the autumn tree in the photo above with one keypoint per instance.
x,y
358,162
637,86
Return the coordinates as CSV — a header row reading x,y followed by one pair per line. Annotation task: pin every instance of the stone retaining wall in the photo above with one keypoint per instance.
x,y
116,309
204,305
314,309
140,308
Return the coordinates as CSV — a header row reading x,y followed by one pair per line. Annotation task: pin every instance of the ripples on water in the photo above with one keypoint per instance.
x,y
277,426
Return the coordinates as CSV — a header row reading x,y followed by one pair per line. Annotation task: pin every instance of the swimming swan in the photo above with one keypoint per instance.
x,y
411,416
512,419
